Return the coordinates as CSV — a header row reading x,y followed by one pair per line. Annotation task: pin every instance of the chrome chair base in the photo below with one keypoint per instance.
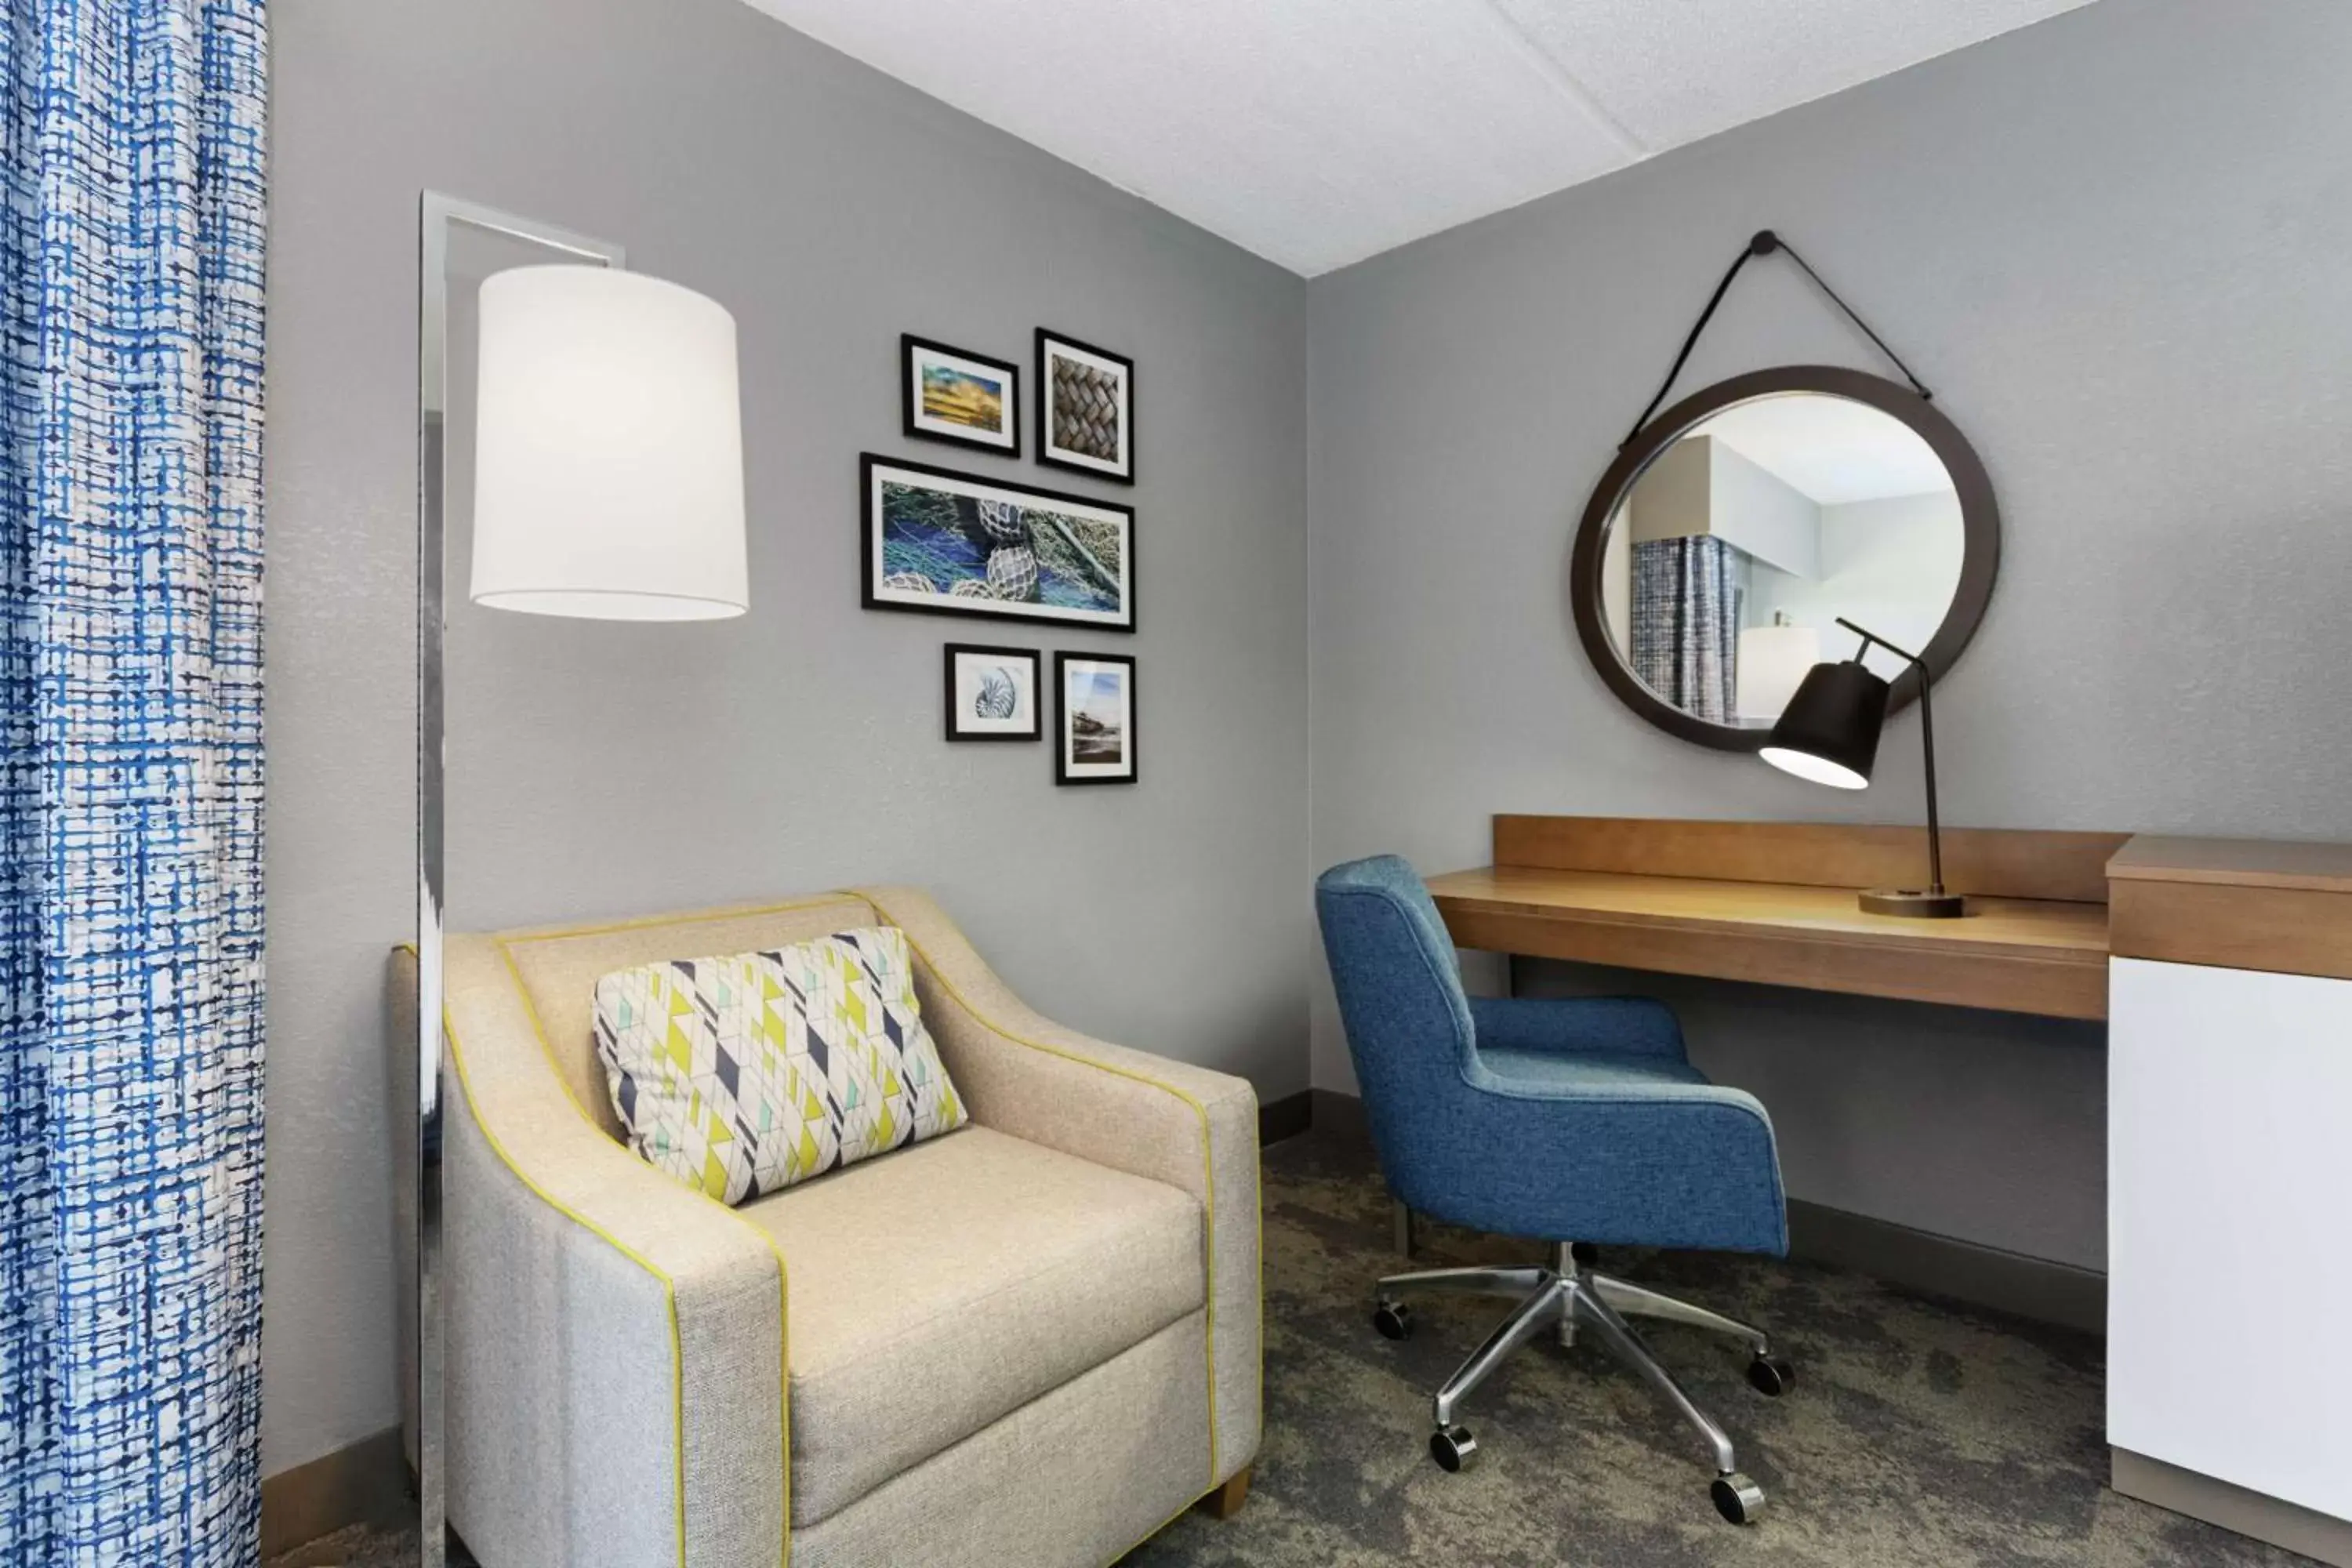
x,y
1565,1298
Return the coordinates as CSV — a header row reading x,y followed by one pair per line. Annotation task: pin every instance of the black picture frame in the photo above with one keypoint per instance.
x,y
877,594
912,350
1979,525
1130,748
1120,471
952,711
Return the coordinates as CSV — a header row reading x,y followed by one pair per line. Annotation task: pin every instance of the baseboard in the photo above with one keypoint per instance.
x,y
2316,1535
366,1483
2034,1287
1284,1118
1341,1115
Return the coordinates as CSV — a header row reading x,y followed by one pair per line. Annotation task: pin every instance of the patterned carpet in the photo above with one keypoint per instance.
x,y
1919,1432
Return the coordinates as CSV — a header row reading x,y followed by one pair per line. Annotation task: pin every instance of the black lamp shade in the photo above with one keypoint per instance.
x,y
1829,730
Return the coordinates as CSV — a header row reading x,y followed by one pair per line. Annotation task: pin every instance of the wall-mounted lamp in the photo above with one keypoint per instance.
x,y
1829,733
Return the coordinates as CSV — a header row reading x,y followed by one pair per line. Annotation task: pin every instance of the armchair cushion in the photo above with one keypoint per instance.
x,y
1171,1121
937,1290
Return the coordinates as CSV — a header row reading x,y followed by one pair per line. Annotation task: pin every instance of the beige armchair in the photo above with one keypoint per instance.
x,y
1032,1341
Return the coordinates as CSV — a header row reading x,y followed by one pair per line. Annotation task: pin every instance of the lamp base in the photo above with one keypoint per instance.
x,y
1913,902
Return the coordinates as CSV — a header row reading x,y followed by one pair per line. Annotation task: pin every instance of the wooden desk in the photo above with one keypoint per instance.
x,y
2230,966
1774,903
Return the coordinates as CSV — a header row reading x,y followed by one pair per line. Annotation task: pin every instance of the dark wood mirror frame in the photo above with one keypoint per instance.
x,y
1979,522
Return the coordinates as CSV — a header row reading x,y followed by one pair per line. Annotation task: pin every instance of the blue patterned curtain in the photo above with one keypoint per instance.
x,y
131,226
1687,623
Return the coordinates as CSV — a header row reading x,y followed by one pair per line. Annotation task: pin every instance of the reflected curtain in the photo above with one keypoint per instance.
x,y
1687,623
131,238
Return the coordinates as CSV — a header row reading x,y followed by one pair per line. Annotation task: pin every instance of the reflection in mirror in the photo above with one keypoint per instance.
x,y
1733,555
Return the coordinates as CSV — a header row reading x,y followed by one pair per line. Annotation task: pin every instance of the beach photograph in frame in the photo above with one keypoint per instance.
x,y
1086,407
952,394
943,543
1094,719
992,693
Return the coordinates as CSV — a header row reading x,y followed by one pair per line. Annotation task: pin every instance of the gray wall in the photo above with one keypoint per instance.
x,y
598,770
2114,244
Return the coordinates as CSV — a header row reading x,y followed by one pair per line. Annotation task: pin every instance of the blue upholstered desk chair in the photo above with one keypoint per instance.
x,y
1575,1121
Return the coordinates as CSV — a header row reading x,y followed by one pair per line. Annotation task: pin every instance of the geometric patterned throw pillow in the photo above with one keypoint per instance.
x,y
743,1074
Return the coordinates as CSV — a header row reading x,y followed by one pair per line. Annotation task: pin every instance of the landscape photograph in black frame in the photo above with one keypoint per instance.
x,y
1094,719
952,394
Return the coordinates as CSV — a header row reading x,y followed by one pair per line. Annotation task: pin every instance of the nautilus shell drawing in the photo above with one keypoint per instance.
x,y
998,698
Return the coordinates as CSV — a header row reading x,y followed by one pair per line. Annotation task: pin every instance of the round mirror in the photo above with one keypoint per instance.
x,y
1725,543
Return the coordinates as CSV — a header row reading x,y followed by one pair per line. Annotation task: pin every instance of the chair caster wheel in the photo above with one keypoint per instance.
x,y
1454,1448
1770,1376
1393,1319
1737,1497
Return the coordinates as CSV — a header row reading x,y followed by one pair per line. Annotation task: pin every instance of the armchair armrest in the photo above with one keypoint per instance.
x,y
1190,1127
616,1341
1629,1025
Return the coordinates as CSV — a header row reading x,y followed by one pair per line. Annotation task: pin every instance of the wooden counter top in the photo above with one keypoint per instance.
x,y
1774,903
2028,956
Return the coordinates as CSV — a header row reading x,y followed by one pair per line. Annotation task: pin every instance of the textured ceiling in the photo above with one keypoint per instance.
x,y
1316,132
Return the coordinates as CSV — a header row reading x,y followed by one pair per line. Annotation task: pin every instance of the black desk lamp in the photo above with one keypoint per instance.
x,y
1829,733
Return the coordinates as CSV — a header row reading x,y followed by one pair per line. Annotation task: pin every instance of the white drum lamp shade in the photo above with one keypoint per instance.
x,y
608,465
1773,662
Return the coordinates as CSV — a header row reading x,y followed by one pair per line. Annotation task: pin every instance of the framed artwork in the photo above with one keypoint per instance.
x,y
1093,718
1086,409
957,544
966,399
993,693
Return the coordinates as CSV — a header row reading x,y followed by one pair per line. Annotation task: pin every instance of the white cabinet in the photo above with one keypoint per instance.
x,y
2230,1227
